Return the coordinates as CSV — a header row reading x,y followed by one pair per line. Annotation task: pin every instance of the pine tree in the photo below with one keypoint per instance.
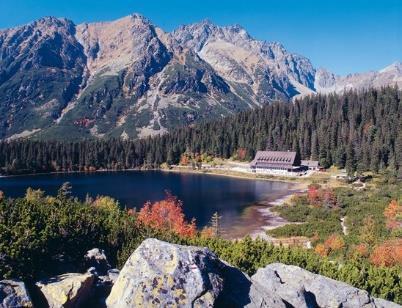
x,y
215,224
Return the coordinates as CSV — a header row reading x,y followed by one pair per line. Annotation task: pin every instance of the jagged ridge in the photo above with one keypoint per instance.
x,y
128,78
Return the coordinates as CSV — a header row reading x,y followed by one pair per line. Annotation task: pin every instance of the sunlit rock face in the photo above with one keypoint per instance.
x,y
128,78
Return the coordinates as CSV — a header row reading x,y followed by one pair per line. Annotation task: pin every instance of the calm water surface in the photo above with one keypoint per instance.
x,y
236,200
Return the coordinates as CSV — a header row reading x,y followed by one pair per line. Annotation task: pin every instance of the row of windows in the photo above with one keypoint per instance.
x,y
275,159
273,168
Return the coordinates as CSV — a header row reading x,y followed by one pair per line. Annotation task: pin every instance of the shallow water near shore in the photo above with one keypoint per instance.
x,y
238,201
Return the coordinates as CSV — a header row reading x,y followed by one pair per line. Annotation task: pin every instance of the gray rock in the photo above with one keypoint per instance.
x,y
382,303
301,288
162,274
97,258
239,291
13,294
68,290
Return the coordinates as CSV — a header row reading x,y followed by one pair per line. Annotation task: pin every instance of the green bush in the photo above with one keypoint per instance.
x,y
38,231
313,221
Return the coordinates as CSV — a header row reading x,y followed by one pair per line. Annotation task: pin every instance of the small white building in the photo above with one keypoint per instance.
x,y
311,164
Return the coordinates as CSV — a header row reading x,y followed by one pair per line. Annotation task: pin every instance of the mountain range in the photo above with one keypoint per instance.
x,y
128,78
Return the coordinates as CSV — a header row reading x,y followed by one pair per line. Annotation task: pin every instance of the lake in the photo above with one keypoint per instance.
x,y
238,201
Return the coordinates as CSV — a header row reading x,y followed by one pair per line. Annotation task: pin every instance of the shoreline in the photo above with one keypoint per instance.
x,y
298,182
271,219
216,172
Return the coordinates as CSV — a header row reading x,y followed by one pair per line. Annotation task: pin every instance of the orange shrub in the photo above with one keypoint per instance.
x,y
207,232
184,160
321,250
361,250
167,215
393,214
241,153
387,254
334,242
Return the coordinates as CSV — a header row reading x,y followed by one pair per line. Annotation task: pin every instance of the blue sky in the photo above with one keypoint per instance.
x,y
344,36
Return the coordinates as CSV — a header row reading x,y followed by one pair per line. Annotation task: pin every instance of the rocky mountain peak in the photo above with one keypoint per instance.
x,y
395,67
130,78
114,46
324,79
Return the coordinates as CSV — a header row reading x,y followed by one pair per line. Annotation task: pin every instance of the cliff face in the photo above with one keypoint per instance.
x,y
41,69
128,78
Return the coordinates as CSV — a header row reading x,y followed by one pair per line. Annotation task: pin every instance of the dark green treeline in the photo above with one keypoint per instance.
x,y
359,131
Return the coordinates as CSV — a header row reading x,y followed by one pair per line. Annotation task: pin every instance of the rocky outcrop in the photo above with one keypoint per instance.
x,y
160,274
301,288
13,294
68,290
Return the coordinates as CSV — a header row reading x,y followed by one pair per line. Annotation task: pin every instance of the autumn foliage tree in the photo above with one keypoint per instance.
x,y
318,196
184,159
313,194
167,215
241,153
393,215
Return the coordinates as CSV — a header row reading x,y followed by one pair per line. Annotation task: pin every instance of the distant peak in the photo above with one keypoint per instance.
x,y
396,66
206,21
204,24
135,17
53,20
50,22
139,16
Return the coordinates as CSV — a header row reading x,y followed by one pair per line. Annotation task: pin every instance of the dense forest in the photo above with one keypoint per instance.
x,y
357,130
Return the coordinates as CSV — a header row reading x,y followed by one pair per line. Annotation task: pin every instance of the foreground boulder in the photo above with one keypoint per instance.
x,y
160,274
68,290
301,288
13,294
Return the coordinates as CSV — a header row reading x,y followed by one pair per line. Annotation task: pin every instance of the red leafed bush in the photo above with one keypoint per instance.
x,y
313,194
318,196
167,215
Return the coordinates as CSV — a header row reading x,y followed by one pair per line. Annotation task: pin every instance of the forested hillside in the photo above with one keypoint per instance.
x,y
359,131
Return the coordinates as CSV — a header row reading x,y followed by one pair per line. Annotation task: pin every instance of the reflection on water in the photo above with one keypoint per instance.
x,y
236,200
